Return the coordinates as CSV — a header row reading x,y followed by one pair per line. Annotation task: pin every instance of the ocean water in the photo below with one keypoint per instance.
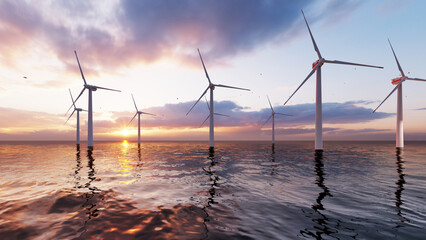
x,y
178,190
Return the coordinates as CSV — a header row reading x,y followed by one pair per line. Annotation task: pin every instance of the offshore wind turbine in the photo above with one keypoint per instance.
x,y
211,87
208,106
273,121
316,67
399,110
139,120
90,88
78,110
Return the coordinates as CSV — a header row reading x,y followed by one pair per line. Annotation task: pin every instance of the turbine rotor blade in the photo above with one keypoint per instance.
x,y
72,98
220,114
133,117
148,113
69,116
205,70
312,37
396,59
225,86
135,103
349,63
266,121
110,89
207,102
205,120
396,87
416,79
75,100
198,100
79,66
283,114
270,104
306,79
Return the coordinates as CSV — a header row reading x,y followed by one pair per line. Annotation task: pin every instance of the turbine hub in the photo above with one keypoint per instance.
x,y
212,86
396,81
319,61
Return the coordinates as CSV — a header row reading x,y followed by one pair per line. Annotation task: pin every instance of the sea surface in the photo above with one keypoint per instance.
x,y
245,190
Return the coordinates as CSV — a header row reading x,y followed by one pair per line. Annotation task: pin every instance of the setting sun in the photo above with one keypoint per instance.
x,y
125,132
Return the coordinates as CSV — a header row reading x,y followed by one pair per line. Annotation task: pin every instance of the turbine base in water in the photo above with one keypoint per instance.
x,y
318,152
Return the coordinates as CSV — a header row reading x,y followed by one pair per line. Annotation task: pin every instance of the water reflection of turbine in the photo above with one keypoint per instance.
x,y
139,163
318,207
213,179
78,167
400,184
273,164
90,200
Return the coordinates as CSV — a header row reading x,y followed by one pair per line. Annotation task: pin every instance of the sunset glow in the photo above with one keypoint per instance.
x,y
159,65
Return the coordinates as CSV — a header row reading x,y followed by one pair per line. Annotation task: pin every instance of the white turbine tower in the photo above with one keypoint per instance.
x,y
78,119
90,88
211,87
219,114
139,120
273,121
399,110
316,67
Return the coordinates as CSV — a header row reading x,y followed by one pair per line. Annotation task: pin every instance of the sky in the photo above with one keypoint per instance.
x,y
149,49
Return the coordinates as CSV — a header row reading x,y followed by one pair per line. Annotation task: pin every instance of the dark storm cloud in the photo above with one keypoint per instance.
x,y
142,30
223,27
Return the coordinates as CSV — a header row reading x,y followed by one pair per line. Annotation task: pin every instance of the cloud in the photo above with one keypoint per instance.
x,y
119,33
421,109
174,115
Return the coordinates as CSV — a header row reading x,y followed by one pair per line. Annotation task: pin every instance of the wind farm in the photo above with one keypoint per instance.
x,y
162,165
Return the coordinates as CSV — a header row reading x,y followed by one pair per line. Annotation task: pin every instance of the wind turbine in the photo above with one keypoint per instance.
x,y
273,121
211,86
90,88
399,111
208,106
78,119
139,120
316,67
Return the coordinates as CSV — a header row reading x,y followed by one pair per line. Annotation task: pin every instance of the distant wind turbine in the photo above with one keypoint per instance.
x,y
78,119
208,106
139,120
273,121
316,66
399,110
211,87
90,88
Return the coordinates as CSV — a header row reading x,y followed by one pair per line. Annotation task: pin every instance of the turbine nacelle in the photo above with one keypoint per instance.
x,y
212,86
91,87
396,81
319,61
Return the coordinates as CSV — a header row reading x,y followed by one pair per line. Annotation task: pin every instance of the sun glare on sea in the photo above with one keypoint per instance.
x,y
125,143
